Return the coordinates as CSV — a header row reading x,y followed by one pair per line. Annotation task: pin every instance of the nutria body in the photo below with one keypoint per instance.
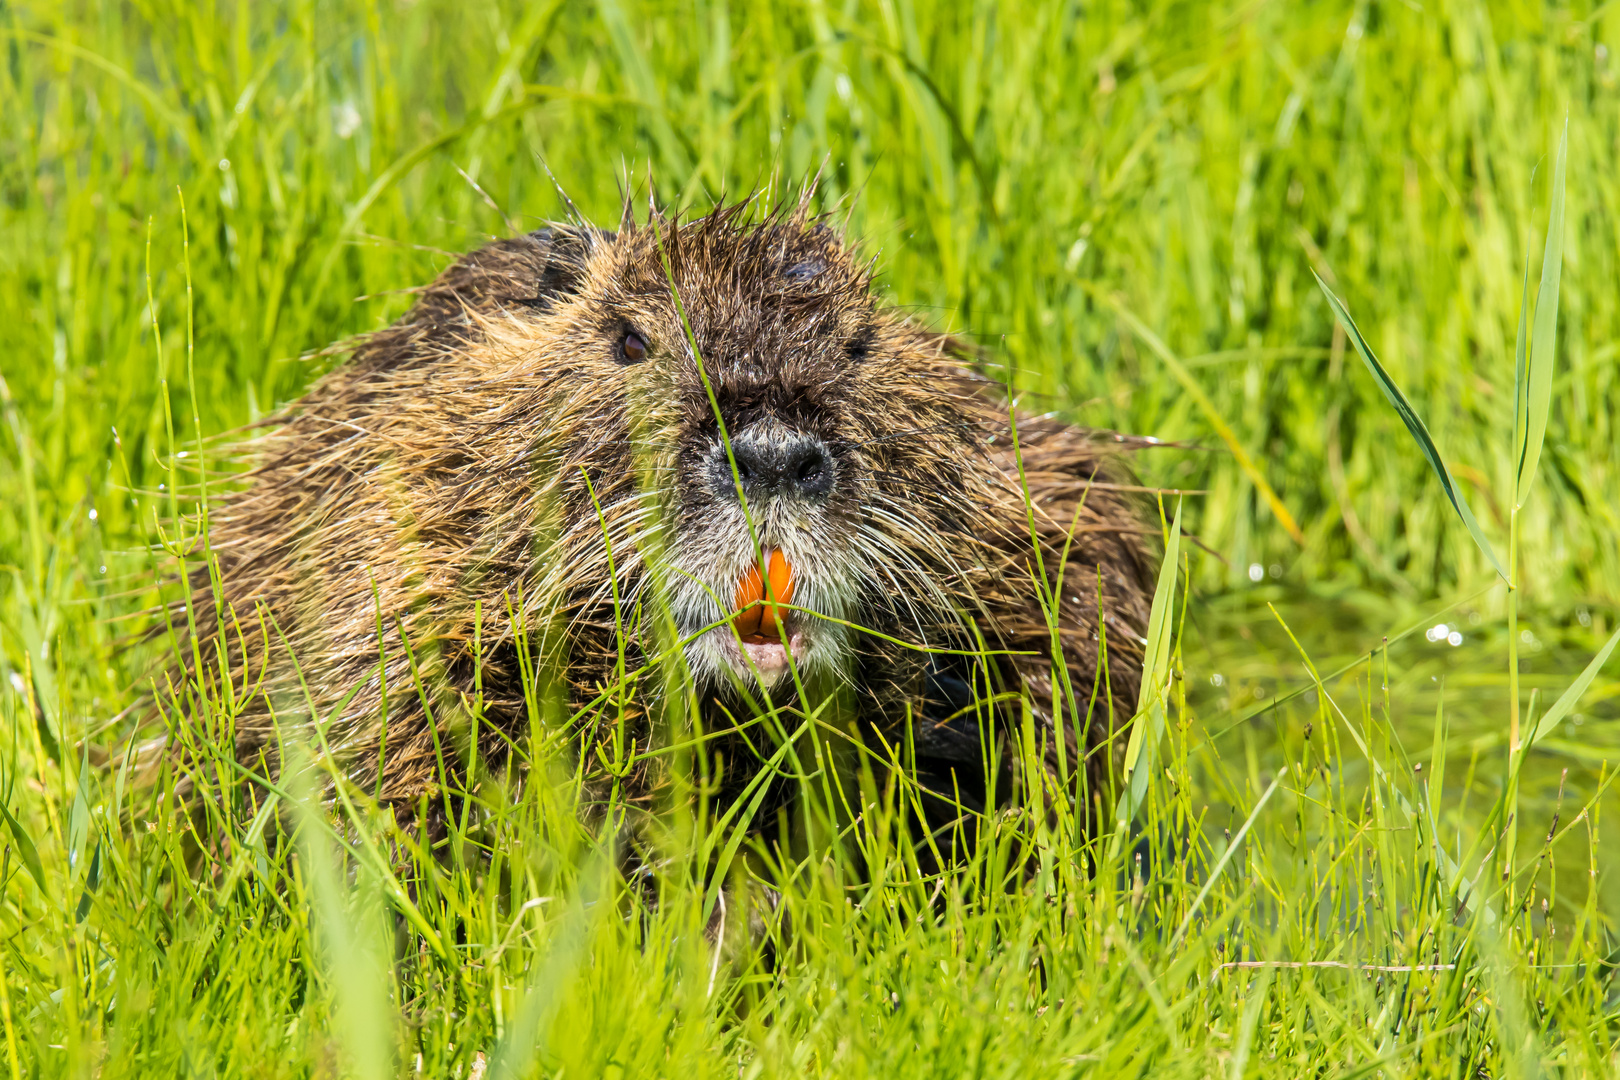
x,y
525,478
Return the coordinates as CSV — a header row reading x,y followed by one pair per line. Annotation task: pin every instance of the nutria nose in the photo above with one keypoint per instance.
x,y
774,463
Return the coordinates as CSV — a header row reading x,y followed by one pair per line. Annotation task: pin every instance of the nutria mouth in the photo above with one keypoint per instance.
x,y
549,460
767,632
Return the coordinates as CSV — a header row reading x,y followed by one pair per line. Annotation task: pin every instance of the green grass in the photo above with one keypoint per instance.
x,y
1059,182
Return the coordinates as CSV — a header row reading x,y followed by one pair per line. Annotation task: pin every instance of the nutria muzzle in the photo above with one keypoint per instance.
x,y
779,477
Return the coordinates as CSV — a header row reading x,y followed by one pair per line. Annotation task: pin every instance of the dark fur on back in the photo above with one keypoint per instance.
x,y
472,471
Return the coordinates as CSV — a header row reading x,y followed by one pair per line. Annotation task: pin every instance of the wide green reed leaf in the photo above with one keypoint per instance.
x,y
1521,364
1148,726
1561,708
1414,424
1544,338
27,851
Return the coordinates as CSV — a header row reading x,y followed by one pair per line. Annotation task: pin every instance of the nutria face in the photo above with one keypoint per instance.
x,y
844,444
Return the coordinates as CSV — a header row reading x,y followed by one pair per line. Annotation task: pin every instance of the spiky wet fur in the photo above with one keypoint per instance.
x,y
469,475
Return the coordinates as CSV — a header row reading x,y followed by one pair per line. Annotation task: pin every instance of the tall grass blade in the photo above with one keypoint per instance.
x,y
26,849
1544,338
1226,857
92,881
1148,726
1437,761
1571,697
1414,424
1250,1020
79,816
1521,363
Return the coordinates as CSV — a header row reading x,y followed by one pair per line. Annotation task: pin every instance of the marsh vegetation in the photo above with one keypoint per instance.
x,y
1369,838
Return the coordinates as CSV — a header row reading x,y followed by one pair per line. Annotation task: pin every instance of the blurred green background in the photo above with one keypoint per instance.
x,y
196,199
1019,172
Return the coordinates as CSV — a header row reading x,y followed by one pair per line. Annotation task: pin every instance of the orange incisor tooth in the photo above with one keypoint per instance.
x,y
757,615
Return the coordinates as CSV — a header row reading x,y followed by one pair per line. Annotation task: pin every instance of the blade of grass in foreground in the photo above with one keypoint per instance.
x,y
1532,401
352,958
1148,726
27,851
527,1038
1537,391
1414,424
1561,708
1226,857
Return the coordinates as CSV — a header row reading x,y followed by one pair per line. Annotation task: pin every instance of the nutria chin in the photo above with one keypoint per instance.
x,y
527,472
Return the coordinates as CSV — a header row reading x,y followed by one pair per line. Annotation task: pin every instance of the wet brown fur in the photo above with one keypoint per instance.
x,y
456,478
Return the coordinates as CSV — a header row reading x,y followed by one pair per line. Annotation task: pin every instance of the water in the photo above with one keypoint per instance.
x,y
1250,689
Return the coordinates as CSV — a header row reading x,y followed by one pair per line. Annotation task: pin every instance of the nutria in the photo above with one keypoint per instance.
x,y
532,471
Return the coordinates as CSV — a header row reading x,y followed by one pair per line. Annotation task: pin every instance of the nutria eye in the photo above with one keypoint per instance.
x,y
632,350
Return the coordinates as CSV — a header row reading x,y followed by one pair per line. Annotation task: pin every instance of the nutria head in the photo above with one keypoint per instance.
x,y
702,441
738,385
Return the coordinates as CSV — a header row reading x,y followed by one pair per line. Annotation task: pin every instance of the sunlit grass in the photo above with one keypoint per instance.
x,y
1051,181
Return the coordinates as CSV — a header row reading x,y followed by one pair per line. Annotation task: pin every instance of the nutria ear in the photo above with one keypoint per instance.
x,y
556,262
531,272
515,278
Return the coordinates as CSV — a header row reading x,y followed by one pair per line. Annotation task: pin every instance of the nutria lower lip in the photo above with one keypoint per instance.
x,y
770,658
